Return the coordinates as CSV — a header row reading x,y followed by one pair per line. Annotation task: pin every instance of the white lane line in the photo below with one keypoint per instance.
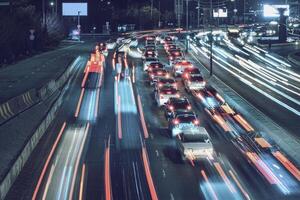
x,y
135,181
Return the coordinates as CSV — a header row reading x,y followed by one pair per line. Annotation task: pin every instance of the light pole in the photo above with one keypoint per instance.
x,y
151,9
211,43
198,14
187,15
78,24
159,14
52,7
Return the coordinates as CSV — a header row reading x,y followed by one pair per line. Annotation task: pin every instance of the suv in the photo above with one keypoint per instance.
x,y
176,104
194,83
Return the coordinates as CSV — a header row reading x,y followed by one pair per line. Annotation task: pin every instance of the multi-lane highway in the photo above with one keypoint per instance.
x,y
266,79
115,142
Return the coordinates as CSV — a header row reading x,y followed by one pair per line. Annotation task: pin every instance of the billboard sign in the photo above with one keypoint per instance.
x,y
4,2
272,10
221,12
72,9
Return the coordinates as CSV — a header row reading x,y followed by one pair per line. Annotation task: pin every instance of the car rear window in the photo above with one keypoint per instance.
x,y
168,90
196,78
186,118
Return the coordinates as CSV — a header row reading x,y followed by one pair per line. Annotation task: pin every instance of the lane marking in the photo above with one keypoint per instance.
x,y
36,190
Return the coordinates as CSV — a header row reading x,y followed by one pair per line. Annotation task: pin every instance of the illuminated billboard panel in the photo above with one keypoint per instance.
x,y
72,9
221,12
272,10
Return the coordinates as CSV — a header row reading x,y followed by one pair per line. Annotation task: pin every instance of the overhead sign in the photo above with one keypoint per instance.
x,y
272,10
221,12
4,2
74,9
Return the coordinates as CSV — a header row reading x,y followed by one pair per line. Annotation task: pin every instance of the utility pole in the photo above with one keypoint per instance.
x,y
78,24
211,42
244,12
198,22
178,11
159,14
151,9
187,15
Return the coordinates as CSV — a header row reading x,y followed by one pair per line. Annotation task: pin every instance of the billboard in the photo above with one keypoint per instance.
x,y
72,9
221,12
271,10
4,2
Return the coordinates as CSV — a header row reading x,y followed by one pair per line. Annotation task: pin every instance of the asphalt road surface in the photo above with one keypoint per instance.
x,y
105,153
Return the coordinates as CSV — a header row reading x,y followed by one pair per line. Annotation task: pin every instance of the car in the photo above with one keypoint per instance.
x,y
150,48
191,71
157,73
150,43
163,94
168,39
149,60
210,98
154,65
165,82
185,122
167,44
102,47
174,55
175,105
179,66
149,54
195,146
170,47
150,37
194,82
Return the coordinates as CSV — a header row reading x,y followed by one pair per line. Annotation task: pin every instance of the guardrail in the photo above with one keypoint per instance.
x,y
45,92
19,104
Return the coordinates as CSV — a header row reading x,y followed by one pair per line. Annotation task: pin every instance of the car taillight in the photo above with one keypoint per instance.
x,y
189,107
175,121
159,73
196,122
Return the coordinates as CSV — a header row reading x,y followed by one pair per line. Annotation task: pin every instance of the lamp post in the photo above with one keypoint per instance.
x,y
52,7
211,42
198,14
187,15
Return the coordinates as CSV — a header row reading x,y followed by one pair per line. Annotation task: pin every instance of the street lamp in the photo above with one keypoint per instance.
x,y
52,6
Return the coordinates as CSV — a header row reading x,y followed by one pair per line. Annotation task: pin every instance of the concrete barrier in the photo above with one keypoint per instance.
x,y
16,168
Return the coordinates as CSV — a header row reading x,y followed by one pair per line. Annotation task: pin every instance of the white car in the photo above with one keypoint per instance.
x,y
195,146
163,94
194,83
